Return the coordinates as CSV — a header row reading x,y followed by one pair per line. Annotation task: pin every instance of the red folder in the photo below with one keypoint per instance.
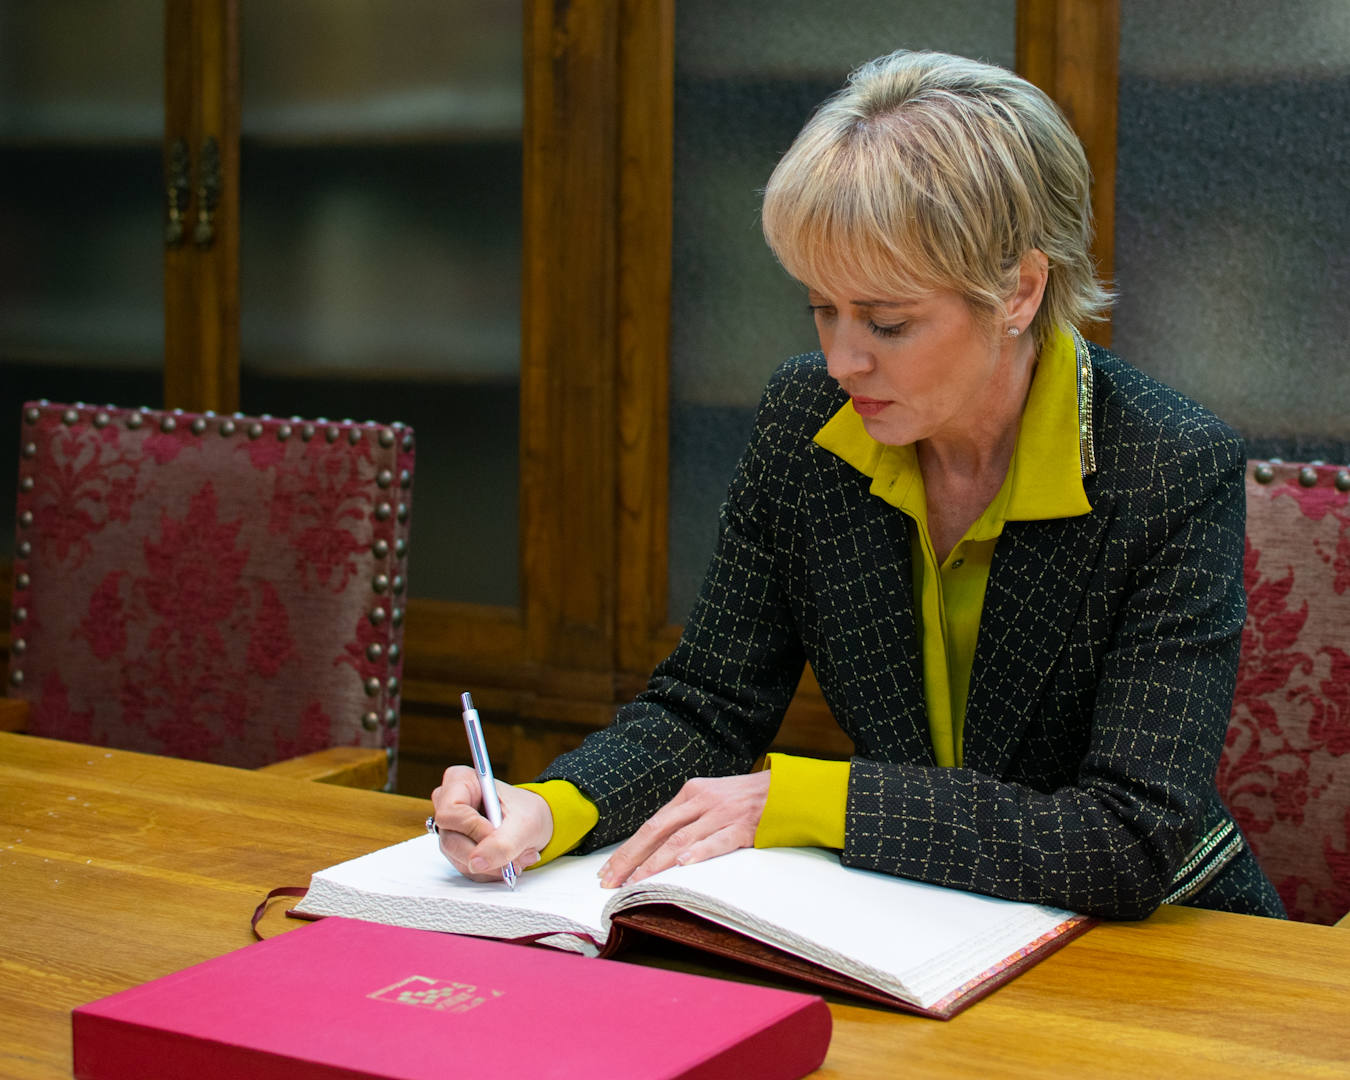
x,y
344,998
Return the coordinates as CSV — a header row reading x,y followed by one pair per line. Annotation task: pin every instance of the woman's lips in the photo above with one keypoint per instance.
x,y
865,406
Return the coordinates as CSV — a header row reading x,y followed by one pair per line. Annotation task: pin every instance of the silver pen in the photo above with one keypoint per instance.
x,y
492,807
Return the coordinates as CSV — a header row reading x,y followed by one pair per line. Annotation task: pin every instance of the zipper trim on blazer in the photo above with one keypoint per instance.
x,y
1215,850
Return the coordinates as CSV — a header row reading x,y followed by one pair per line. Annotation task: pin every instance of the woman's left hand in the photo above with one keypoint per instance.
x,y
710,816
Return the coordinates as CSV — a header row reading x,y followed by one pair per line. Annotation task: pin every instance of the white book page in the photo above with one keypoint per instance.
x,y
412,884
918,941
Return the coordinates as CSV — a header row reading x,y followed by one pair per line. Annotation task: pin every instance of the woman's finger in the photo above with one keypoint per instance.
x,y
680,830
719,842
649,838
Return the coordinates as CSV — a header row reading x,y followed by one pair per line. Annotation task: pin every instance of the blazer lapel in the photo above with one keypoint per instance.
x,y
878,699
1035,592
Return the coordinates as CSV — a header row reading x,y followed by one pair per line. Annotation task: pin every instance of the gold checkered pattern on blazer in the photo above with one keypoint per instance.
x,y
1101,688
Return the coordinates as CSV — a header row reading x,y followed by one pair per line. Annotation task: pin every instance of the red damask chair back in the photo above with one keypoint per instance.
x,y
1285,770
227,589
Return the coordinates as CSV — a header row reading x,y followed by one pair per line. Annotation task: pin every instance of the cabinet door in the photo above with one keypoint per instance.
x,y
380,183
734,314
1233,230
81,210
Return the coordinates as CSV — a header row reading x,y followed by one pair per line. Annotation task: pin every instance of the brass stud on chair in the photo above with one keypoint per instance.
x,y
101,419
372,686
380,583
284,432
69,417
32,414
26,484
332,434
29,450
400,547
168,424
306,432
377,616
1263,473
255,430
26,519
384,478
134,421
18,646
1307,476
354,436
16,677
227,428
20,614
198,426
374,652
370,721
22,581
383,512
25,549
391,718
380,549
386,437
1342,480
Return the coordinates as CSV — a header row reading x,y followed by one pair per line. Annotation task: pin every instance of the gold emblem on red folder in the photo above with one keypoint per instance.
x,y
442,995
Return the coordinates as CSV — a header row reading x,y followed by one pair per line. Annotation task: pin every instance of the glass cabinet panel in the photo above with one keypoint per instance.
x,y
380,251
1232,232
747,76
81,210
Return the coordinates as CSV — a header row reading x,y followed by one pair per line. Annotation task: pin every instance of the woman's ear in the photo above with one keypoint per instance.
x,y
1032,274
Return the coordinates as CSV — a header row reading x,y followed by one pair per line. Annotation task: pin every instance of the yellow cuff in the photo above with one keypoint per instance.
x,y
807,800
574,816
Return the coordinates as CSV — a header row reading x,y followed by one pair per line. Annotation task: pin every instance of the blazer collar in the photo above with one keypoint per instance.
x,y
1036,591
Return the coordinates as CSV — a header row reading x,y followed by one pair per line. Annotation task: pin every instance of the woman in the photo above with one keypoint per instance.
x,y
1013,562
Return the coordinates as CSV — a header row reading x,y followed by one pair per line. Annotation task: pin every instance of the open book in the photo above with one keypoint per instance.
x,y
915,946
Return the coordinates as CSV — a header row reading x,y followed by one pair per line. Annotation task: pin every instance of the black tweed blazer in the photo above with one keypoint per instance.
x,y
1102,682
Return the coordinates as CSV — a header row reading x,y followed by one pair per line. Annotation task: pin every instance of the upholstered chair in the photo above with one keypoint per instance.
x,y
1285,770
223,588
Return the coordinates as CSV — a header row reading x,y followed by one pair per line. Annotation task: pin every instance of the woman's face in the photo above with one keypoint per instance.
x,y
917,367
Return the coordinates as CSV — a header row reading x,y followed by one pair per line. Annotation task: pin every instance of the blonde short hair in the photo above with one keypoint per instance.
x,y
934,171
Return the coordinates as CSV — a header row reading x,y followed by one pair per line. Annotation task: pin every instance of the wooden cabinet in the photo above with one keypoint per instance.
x,y
573,523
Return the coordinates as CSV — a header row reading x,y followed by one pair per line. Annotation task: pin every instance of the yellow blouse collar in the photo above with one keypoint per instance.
x,y
1045,478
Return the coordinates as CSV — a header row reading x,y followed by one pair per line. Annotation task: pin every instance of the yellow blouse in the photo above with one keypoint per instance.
x,y
807,796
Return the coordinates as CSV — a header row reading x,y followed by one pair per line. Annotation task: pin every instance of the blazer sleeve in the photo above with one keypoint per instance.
x,y
716,703
1112,839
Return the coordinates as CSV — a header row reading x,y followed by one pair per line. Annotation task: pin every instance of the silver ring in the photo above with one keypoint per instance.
x,y
431,826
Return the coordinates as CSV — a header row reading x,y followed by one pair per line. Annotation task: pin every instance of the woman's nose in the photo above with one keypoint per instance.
x,y
846,355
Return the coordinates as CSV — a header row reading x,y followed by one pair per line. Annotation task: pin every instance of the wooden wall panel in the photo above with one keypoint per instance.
x,y
201,283
568,361
1071,50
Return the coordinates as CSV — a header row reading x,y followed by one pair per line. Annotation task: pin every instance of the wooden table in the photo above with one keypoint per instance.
x,y
116,868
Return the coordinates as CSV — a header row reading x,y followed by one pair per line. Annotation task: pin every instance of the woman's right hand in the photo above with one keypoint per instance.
x,y
468,840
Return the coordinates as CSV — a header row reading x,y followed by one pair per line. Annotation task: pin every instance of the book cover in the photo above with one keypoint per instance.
x,y
346,998
907,944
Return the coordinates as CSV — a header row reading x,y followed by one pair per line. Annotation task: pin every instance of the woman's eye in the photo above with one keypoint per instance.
x,y
894,330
